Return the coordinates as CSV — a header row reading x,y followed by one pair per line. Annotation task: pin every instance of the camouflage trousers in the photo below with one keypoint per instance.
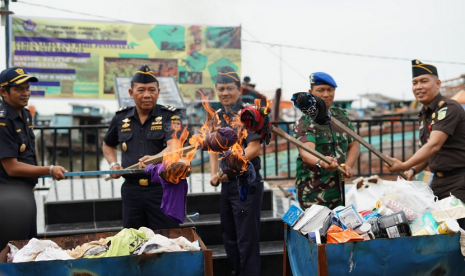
x,y
327,193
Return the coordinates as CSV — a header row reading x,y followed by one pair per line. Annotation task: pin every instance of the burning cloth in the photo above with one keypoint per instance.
x,y
241,169
174,195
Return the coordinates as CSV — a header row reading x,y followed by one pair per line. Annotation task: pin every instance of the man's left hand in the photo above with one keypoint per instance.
x,y
349,173
397,165
142,160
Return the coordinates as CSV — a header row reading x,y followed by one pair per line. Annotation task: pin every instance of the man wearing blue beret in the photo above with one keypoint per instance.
x,y
318,182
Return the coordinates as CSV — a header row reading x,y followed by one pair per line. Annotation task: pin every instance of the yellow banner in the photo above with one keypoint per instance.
x,y
81,59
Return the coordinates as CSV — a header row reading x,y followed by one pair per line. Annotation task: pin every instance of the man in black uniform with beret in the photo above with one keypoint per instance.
x,y
240,220
18,163
141,130
442,136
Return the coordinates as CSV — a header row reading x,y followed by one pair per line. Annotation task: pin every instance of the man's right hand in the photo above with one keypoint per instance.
x,y
216,179
58,172
330,167
116,167
409,174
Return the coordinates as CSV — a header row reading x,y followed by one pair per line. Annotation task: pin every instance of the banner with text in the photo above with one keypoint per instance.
x,y
81,59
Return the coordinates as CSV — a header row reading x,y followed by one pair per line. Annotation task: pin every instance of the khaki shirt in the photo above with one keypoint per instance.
x,y
448,116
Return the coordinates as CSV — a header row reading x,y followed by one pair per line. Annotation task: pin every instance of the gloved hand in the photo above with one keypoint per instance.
x,y
232,164
258,121
312,106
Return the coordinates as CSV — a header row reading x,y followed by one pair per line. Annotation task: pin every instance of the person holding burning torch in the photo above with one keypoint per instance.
x,y
242,184
142,130
318,182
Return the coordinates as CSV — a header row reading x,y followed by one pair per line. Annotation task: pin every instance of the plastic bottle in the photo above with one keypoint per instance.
x,y
384,211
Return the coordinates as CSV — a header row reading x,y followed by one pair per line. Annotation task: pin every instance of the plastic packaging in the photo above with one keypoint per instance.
x,y
395,225
349,217
449,226
424,231
337,235
427,220
415,198
365,231
396,206
392,226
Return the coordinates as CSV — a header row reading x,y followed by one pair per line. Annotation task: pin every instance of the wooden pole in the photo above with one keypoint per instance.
x,y
362,141
157,159
301,145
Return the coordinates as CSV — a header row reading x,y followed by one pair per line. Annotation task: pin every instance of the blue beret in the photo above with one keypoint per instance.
x,y
319,78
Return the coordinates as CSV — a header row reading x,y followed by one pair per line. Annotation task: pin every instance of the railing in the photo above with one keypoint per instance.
x,y
81,146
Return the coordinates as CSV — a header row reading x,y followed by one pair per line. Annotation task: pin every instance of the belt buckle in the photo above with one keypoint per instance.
x,y
143,182
439,174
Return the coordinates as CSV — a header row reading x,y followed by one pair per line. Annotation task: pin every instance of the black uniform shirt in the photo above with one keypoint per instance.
x,y
16,131
235,111
142,139
448,116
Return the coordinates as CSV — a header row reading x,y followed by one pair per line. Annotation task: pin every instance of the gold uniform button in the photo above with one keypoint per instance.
x,y
440,174
124,146
22,148
143,182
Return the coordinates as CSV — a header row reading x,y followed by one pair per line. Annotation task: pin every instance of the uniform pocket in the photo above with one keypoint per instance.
x,y
125,139
156,140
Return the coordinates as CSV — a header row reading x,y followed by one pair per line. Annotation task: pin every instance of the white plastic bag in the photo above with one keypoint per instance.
x,y
366,197
414,196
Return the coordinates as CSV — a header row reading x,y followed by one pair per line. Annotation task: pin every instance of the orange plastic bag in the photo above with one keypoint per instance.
x,y
336,235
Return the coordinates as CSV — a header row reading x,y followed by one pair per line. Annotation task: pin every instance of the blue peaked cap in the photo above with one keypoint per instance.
x,y
319,78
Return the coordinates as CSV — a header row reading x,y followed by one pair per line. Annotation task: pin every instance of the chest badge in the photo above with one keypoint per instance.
x,y
126,121
124,146
158,121
22,148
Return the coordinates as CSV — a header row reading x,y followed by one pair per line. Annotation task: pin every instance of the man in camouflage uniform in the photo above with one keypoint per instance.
x,y
318,182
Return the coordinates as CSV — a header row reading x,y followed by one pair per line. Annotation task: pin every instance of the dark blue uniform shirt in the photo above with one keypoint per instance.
x,y
16,131
142,139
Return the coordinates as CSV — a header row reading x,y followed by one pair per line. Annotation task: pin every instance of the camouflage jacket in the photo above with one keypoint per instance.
x,y
313,186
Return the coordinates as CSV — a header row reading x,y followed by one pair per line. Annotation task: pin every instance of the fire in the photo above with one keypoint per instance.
x,y
177,164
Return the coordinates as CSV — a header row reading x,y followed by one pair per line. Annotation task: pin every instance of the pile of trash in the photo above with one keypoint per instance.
x,y
127,242
401,209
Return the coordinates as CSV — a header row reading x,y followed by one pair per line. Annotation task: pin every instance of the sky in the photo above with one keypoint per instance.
x,y
428,30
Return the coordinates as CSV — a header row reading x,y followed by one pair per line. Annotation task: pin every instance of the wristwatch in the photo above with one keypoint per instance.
x,y
112,164
318,165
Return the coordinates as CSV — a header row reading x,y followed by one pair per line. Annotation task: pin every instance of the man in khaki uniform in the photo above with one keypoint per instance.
x,y
442,136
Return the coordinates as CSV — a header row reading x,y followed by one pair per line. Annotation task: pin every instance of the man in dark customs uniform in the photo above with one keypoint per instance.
x,y
18,160
142,130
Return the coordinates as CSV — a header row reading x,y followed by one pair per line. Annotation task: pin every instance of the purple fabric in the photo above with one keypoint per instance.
x,y
173,203
220,140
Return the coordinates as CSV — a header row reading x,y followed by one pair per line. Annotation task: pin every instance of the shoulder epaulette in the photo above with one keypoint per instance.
x,y
167,107
2,113
121,109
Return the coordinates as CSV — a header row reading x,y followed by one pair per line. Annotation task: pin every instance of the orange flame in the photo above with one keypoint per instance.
x,y
176,163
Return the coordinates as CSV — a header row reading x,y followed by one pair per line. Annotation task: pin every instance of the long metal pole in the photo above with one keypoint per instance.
x,y
7,35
